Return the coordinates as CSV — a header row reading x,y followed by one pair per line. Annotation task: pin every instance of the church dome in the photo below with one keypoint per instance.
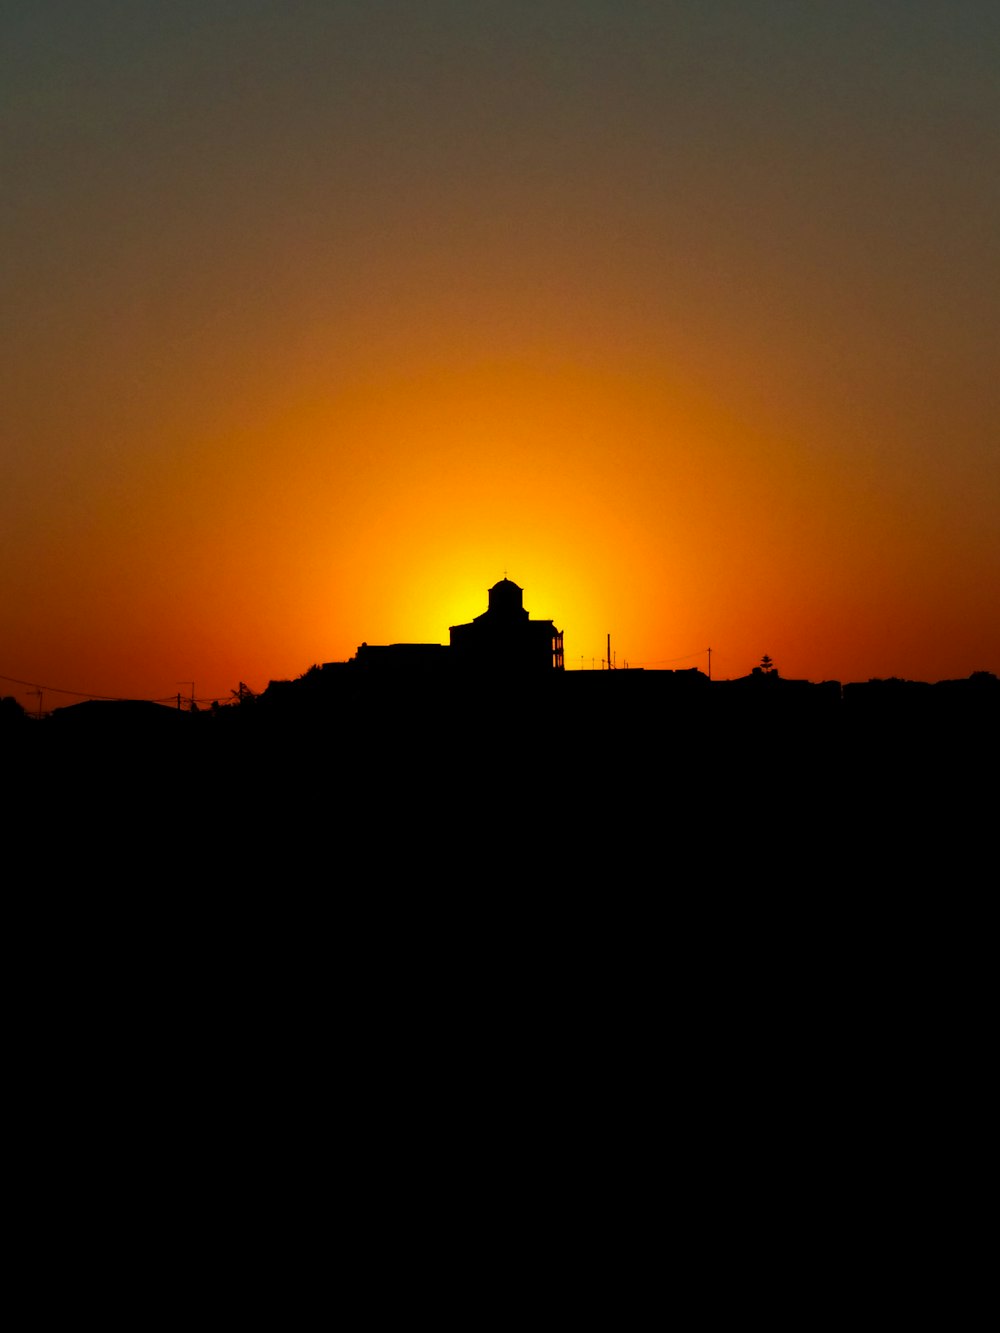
x,y
506,596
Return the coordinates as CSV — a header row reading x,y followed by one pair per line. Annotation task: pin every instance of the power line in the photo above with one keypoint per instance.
x,y
660,661
55,689
34,686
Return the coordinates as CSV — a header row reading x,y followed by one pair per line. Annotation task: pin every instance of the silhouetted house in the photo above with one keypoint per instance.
x,y
504,638
122,717
414,659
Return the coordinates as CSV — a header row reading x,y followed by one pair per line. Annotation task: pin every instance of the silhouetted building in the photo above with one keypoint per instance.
x,y
505,639
416,659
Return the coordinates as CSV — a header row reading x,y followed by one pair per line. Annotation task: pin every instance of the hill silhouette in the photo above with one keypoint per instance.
x,y
481,757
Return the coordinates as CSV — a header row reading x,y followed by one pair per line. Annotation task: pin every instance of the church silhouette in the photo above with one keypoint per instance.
x,y
503,639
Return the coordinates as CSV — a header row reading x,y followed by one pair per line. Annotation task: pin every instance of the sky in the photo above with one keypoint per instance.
x,y
321,316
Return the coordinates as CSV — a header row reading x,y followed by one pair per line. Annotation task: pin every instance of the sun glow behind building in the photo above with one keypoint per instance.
x,y
320,321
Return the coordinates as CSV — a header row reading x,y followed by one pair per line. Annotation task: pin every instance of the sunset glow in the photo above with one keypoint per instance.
x,y
322,318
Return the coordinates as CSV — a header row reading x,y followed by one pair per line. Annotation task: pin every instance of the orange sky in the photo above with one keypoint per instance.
x,y
323,317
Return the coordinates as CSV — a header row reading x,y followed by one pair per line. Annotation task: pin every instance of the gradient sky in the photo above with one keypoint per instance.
x,y
320,316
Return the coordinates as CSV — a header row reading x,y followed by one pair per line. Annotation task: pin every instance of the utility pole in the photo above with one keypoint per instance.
x,y
710,664
39,693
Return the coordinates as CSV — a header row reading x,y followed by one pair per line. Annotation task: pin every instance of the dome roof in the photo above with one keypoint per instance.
x,y
506,597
